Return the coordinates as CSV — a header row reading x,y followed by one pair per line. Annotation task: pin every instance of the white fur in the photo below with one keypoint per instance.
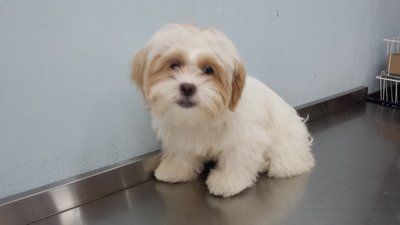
x,y
263,134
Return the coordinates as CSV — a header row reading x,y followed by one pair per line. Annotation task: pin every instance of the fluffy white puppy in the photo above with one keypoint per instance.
x,y
204,107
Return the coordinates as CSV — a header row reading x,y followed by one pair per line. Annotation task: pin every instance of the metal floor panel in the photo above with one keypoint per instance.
x,y
356,181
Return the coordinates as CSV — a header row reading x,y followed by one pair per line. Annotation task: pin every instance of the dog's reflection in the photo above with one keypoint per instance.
x,y
268,202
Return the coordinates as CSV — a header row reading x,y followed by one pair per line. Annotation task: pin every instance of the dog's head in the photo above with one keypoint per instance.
x,y
189,74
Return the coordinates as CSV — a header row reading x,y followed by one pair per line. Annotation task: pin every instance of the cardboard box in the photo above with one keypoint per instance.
x,y
394,64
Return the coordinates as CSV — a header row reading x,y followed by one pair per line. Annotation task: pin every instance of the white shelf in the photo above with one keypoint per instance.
x,y
388,83
388,78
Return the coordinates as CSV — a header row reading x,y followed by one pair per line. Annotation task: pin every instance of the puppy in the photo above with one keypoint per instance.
x,y
204,107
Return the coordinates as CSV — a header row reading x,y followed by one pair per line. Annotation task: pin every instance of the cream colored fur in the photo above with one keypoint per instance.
x,y
260,133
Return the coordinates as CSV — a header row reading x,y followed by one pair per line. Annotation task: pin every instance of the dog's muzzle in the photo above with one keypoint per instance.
x,y
187,90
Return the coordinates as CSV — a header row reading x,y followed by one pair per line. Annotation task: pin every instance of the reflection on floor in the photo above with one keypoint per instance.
x,y
356,181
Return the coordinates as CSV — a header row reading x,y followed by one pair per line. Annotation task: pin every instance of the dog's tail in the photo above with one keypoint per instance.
x,y
305,120
310,138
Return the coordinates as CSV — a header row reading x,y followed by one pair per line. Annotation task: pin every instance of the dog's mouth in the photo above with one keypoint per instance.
x,y
186,103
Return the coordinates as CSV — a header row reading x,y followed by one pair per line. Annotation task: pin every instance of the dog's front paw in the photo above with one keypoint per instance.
x,y
226,184
173,172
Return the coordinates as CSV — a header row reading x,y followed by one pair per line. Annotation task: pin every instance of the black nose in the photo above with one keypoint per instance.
x,y
187,89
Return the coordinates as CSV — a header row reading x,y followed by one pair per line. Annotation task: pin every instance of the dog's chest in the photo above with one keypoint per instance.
x,y
199,140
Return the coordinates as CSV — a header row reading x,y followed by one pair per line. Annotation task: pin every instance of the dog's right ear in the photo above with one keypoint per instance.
x,y
138,67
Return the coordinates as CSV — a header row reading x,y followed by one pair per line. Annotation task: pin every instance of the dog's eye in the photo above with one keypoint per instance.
x,y
174,65
208,70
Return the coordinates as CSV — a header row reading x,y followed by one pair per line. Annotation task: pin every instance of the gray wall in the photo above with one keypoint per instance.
x,y
66,103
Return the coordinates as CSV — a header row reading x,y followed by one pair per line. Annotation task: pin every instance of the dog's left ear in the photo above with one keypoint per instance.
x,y
239,78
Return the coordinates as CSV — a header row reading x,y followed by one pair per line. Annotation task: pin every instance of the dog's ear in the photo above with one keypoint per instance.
x,y
138,67
239,78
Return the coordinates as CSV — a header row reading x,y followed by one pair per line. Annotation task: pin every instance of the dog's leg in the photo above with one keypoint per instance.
x,y
289,159
236,170
178,167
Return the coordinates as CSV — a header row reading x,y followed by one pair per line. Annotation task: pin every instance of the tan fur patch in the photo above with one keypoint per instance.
x,y
219,77
138,67
160,70
239,79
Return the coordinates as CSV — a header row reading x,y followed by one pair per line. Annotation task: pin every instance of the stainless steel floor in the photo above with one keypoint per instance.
x,y
356,181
